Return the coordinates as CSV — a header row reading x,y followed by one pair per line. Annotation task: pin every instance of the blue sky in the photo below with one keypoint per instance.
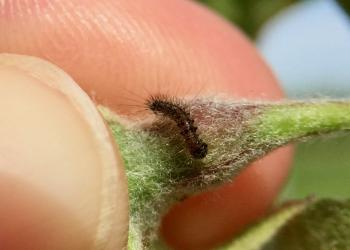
x,y
308,47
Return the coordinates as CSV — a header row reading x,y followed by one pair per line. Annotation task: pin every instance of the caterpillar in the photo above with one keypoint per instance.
x,y
178,112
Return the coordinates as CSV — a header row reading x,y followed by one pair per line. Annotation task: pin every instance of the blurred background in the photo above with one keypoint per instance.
x,y
307,45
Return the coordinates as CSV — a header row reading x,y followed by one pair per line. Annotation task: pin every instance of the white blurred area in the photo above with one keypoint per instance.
x,y
308,47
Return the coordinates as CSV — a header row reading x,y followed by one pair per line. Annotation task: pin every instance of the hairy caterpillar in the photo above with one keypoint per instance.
x,y
177,111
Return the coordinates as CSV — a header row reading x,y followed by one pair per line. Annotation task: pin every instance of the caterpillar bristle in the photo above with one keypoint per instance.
x,y
176,110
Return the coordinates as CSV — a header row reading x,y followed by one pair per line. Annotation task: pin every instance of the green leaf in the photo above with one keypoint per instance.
x,y
345,4
256,236
249,15
310,225
323,225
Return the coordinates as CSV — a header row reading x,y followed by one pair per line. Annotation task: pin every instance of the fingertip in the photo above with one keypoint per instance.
x,y
108,46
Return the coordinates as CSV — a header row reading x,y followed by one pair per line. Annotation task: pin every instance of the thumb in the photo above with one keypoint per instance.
x,y
61,181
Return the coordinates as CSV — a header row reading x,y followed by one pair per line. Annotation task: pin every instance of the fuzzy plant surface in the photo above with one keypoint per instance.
x,y
161,170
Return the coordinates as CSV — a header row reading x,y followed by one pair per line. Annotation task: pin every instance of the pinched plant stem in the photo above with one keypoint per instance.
x,y
161,171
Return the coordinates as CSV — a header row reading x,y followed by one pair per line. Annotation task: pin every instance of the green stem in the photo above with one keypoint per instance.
x,y
288,122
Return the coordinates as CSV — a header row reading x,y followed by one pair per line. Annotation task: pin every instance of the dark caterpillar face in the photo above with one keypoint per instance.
x,y
177,111
199,151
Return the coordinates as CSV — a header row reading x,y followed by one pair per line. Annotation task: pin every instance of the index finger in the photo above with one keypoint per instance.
x,y
173,46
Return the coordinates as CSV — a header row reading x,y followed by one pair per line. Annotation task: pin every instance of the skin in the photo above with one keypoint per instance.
x,y
120,52
59,171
